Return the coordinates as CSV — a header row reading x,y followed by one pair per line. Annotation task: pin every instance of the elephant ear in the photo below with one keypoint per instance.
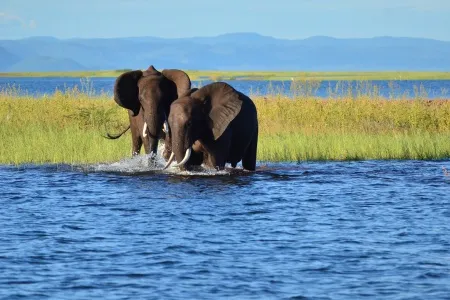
x,y
188,93
180,78
126,91
225,104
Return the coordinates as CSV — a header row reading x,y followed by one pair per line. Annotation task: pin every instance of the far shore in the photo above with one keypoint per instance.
x,y
259,75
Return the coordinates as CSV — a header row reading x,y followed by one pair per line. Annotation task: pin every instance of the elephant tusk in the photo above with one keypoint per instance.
x,y
144,131
166,127
172,156
185,159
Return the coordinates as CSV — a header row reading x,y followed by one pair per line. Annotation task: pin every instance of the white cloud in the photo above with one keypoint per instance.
x,y
6,18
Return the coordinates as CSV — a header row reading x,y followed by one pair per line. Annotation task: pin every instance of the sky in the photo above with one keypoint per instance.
x,y
289,19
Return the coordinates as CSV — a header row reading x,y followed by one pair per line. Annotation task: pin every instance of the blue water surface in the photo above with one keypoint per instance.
x,y
312,230
330,88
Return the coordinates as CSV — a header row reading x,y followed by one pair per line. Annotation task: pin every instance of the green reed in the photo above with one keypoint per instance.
x,y
356,146
68,126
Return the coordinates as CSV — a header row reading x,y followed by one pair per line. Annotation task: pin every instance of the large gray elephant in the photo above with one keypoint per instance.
x,y
148,95
213,125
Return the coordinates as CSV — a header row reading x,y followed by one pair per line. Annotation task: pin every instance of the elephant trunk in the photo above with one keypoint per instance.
x,y
152,127
181,148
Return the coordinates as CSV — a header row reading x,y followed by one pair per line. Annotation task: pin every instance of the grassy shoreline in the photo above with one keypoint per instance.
x,y
67,127
258,75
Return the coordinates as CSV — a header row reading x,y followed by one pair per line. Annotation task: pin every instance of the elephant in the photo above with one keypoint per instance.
x,y
213,125
147,95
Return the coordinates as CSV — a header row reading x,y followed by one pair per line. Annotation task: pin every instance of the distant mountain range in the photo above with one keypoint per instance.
x,y
236,51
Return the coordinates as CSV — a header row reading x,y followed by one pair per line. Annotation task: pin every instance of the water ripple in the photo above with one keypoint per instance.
x,y
335,230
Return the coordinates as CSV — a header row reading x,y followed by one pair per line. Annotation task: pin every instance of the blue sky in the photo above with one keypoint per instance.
x,y
290,19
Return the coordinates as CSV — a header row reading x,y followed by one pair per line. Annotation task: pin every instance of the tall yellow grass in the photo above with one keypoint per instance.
x,y
68,127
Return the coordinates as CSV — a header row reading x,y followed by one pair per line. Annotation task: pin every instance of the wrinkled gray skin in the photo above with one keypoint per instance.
x,y
147,96
218,124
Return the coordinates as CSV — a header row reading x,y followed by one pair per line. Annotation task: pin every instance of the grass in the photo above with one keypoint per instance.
x,y
258,75
303,147
67,127
64,128
353,129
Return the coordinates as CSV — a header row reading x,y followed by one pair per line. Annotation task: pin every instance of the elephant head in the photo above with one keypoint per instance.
x,y
150,93
199,122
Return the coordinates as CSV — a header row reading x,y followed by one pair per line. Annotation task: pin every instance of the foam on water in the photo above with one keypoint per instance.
x,y
136,164
142,164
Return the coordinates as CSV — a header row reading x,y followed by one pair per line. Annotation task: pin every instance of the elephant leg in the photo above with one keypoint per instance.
x,y
249,159
198,154
218,152
136,122
146,142
136,145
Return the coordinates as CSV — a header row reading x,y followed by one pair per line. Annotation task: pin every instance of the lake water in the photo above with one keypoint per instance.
x,y
313,230
392,89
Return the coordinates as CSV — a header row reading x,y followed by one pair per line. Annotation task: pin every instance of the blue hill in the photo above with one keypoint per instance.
x,y
7,59
39,63
235,51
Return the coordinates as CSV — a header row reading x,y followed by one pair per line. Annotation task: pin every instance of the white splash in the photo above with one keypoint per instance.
x,y
136,164
152,164
196,171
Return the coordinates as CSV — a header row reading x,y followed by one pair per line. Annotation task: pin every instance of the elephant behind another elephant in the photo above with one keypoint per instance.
x,y
147,96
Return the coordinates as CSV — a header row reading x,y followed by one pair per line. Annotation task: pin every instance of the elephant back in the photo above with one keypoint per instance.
x,y
151,71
